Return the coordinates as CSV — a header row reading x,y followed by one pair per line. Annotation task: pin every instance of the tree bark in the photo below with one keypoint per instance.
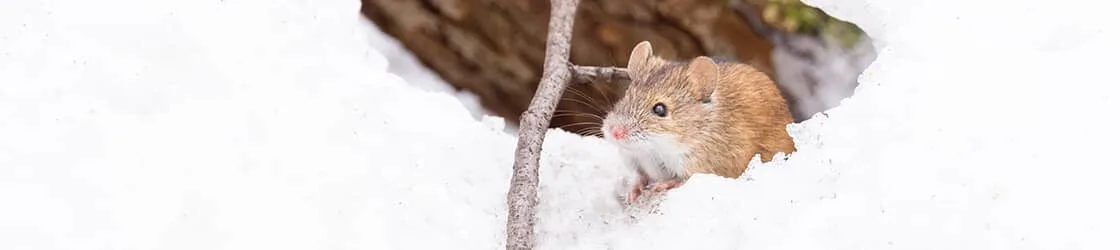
x,y
522,197
494,48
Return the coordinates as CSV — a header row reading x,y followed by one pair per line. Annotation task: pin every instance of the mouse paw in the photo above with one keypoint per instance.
x,y
636,189
635,192
666,185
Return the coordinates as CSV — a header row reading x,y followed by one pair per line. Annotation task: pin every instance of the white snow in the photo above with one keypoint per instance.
x,y
243,124
817,72
402,63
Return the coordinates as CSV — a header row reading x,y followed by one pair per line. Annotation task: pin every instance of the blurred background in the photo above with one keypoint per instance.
x,y
490,52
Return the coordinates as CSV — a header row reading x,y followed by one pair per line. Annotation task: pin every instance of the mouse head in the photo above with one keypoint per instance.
x,y
665,103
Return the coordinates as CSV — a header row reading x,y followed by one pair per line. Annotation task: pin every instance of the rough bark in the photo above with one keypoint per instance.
x,y
494,48
522,197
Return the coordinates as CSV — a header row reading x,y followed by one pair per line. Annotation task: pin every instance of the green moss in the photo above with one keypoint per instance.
x,y
847,33
794,16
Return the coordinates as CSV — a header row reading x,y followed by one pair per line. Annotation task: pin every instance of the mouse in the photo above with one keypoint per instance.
x,y
678,118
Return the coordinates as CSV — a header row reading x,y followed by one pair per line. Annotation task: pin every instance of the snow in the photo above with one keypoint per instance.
x,y
817,72
402,63
277,124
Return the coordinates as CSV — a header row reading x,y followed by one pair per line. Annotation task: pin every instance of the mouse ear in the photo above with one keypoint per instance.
x,y
641,60
703,72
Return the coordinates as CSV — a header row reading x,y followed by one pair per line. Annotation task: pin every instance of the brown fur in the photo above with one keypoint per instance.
x,y
749,115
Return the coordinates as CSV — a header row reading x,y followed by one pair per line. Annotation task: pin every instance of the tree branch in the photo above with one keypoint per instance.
x,y
589,74
558,74
522,197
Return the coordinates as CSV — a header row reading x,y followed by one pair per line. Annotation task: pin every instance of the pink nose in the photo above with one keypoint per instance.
x,y
618,132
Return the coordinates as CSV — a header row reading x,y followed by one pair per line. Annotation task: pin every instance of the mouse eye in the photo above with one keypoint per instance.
x,y
660,110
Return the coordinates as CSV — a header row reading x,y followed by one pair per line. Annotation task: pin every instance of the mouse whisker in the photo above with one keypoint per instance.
x,y
578,93
588,132
583,102
599,89
569,113
577,114
595,131
588,126
581,124
590,102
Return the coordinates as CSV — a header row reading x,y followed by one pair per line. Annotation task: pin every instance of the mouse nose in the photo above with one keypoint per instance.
x,y
618,132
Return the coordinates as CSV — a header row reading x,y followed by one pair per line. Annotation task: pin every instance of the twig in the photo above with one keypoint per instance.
x,y
522,198
588,74
558,74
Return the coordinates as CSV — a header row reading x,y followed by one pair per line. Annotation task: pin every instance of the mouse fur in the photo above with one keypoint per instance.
x,y
715,116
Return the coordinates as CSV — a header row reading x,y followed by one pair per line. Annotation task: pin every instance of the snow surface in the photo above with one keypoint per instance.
x,y
402,63
817,72
243,124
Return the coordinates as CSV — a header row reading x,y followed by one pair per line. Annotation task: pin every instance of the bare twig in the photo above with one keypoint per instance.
x,y
588,74
522,198
558,74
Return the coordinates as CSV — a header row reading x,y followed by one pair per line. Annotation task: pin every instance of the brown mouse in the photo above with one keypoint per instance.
x,y
679,118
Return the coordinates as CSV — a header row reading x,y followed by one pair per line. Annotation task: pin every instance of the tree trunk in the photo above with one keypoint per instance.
x,y
495,48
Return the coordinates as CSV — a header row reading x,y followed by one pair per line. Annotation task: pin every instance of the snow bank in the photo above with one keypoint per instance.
x,y
230,125
273,124
817,72
405,65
